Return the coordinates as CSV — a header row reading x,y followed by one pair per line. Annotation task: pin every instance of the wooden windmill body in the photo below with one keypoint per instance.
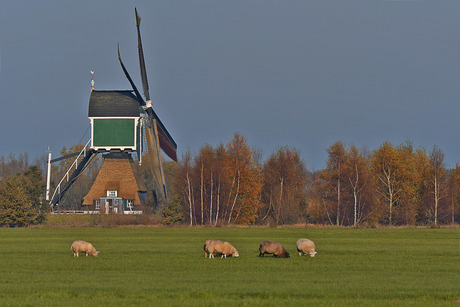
x,y
116,129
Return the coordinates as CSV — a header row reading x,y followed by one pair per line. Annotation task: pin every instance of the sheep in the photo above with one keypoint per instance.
x,y
305,246
80,246
220,247
270,247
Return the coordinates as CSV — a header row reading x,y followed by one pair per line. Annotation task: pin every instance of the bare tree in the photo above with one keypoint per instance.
x,y
357,173
438,171
284,179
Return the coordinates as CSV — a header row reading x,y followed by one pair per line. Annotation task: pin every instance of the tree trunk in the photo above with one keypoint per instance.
x,y
452,201
218,201
338,202
236,197
281,199
387,182
229,198
210,206
201,192
189,199
390,197
355,195
435,199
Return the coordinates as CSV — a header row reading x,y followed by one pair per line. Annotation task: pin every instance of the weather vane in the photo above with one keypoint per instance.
x,y
92,80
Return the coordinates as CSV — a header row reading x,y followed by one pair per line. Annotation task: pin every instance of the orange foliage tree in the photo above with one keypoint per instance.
x,y
398,180
245,175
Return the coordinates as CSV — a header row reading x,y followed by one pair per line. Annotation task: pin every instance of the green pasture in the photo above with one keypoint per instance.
x,y
166,266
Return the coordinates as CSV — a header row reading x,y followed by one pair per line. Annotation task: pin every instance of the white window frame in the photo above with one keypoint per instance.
x,y
112,193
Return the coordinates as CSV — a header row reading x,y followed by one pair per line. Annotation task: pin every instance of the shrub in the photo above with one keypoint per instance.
x,y
172,212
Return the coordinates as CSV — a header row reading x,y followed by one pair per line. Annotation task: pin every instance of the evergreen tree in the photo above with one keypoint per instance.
x,y
173,213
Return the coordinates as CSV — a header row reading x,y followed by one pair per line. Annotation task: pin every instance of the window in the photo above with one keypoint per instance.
x,y
111,193
130,203
97,204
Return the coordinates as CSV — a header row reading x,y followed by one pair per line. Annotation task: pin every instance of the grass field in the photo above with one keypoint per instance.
x,y
166,266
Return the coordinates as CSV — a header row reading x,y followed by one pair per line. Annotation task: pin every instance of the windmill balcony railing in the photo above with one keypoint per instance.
x,y
70,171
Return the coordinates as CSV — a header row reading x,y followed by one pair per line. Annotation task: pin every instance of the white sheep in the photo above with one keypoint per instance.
x,y
306,246
223,248
80,246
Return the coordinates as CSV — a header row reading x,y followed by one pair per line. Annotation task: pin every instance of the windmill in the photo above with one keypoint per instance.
x,y
119,121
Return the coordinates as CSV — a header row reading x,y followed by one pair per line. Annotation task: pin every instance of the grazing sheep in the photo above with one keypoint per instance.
x,y
270,247
223,248
305,246
80,246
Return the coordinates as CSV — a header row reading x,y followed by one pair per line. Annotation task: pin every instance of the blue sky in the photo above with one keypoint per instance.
x,y
297,73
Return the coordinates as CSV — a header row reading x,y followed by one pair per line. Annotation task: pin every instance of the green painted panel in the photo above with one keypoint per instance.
x,y
115,132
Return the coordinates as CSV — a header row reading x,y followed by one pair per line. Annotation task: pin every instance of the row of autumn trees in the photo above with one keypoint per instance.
x,y
392,185
229,184
232,184
399,185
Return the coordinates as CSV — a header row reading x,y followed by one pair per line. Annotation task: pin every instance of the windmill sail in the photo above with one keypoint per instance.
x,y
138,95
157,135
155,156
167,143
145,84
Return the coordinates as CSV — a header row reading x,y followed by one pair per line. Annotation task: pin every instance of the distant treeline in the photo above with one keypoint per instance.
x,y
13,165
233,184
391,185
